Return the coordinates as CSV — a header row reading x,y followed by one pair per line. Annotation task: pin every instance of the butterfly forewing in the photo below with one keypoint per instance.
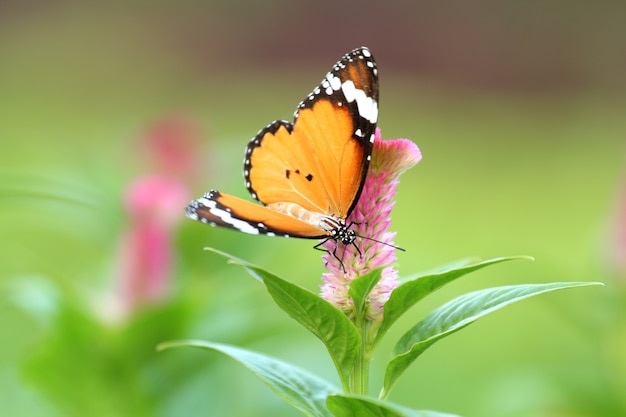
x,y
320,161
303,174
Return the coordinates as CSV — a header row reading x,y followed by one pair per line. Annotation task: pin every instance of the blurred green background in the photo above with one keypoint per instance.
x,y
519,110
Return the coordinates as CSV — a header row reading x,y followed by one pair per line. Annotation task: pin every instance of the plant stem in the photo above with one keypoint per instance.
x,y
360,373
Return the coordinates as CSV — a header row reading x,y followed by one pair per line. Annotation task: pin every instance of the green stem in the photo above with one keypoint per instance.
x,y
360,373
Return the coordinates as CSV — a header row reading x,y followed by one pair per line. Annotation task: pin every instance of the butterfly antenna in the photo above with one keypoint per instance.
x,y
381,242
373,240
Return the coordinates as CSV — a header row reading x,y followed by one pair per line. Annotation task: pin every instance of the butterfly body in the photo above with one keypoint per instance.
x,y
307,174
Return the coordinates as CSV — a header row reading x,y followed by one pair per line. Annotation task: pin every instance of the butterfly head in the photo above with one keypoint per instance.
x,y
344,235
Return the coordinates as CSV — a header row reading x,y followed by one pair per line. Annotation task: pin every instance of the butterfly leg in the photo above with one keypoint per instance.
x,y
334,253
317,247
354,244
358,250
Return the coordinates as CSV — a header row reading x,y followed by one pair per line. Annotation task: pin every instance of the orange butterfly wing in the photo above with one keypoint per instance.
x,y
318,162
225,210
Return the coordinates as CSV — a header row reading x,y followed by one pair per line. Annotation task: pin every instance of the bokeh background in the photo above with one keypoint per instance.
x,y
113,115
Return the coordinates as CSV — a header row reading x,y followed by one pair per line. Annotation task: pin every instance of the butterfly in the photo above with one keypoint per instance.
x,y
307,174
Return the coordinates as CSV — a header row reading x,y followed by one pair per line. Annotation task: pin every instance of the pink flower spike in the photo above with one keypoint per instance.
x,y
145,258
370,219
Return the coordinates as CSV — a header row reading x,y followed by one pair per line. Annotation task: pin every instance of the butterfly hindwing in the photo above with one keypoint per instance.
x,y
218,209
320,161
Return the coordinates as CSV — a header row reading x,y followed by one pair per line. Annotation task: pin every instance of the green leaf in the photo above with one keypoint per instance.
x,y
410,292
234,260
358,406
361,287
455,315
324,320
302,390
321,318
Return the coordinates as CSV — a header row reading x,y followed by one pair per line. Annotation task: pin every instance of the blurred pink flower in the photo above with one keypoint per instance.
x,y
153,204
173,146
371,220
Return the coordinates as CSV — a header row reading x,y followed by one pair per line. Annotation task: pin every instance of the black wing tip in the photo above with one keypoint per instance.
x,y
191,210
361,50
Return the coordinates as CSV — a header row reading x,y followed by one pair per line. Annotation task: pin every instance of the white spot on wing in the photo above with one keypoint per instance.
x,y
335,82
225,216
368,107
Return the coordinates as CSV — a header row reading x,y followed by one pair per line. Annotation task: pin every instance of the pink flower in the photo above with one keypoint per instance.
x,y
371,220
153,205
152,202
